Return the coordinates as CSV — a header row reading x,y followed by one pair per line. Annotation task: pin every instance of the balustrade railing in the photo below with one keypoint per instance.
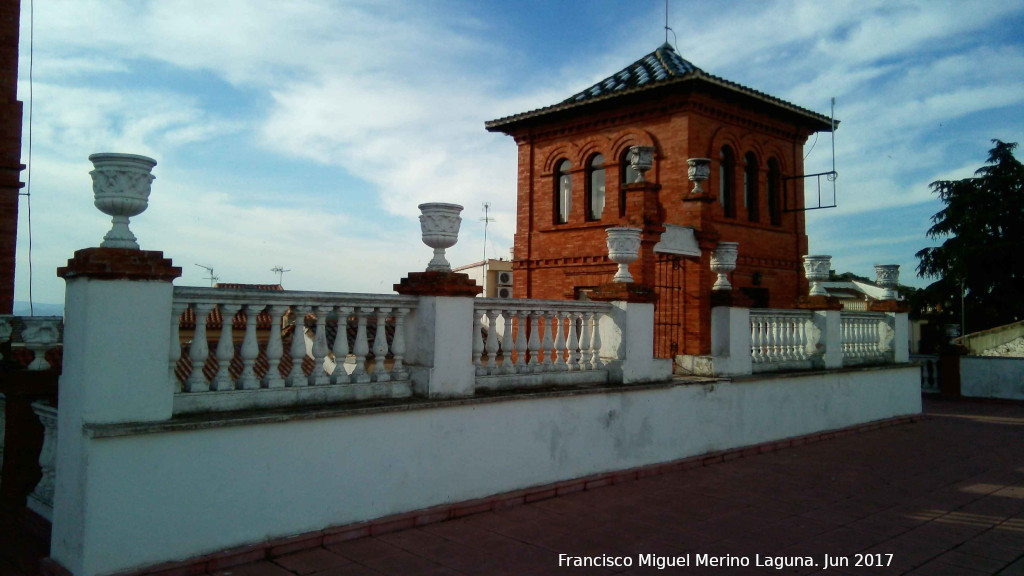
x,y
285,347
520,342
866,337
782,339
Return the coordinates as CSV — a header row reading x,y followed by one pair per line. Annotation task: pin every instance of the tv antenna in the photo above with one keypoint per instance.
x,y
212,278
486,220
280,273
830,176
667,28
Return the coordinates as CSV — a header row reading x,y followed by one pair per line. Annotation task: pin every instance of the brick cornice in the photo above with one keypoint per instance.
x,y
438,284
119,264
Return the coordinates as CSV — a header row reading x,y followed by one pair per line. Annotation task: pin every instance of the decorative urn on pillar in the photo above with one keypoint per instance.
x,y
641,159
623,249
699,170
887,276
723,261
439,223
816,268
120,185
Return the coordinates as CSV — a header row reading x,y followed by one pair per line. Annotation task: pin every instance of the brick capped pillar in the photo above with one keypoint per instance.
x,y
10,149
644,211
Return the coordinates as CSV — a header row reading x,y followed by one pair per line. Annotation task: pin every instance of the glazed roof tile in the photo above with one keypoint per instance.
x,y
660,68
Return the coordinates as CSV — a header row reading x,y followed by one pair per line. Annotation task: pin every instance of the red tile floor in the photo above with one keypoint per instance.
x,y
941,496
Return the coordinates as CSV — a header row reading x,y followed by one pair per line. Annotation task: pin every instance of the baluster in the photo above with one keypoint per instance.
x,y
174,349
507,344
319,376
753,339
478,342
534,343
595,345
275,349
398,371
362,347
548,342
225,348
492,341
789,327
247,380
862,338
572,342
380,347
586,347
801,339
522,317
559,346
199,350
340,348
297,378
771,339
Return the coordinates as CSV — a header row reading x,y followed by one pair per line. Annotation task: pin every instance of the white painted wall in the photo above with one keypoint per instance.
x,y
173,495
992,377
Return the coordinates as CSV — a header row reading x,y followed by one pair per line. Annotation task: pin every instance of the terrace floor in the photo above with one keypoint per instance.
x,y
941,496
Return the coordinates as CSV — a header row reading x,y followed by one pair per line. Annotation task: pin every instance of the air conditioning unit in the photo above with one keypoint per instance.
x,y
505,292
504,278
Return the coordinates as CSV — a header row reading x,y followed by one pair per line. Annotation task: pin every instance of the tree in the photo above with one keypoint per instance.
x,y
981,259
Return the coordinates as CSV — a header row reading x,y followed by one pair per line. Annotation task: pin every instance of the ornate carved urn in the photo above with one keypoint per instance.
x,y
40,334
723,261
698,171
641,159
439,223
120,185
888,277
623,249
816,268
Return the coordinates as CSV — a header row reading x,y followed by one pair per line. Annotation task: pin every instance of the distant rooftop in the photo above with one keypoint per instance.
x,y
658,69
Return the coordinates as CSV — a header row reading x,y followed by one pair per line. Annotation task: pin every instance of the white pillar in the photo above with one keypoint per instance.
x,y
730,341
900,322
830,342
627,344
439,344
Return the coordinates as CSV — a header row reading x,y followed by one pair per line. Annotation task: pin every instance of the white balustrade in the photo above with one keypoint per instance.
x,y
782,339
41,498
866,337
537,342
248,373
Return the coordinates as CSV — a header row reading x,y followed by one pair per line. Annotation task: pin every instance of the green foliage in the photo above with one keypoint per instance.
x,y
983,227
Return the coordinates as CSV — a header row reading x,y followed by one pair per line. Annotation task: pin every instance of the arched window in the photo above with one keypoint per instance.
x,y
774,192
726,182
595,187
627,175
750,198
563,192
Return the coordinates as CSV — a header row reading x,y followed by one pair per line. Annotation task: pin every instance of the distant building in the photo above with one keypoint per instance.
x,y
575,181
494,275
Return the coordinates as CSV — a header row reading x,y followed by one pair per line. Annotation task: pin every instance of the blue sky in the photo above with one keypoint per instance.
x,y
304,133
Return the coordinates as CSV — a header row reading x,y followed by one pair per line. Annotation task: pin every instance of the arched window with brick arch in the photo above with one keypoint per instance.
x,y
750,192
727,181
595,187
774,192
563,192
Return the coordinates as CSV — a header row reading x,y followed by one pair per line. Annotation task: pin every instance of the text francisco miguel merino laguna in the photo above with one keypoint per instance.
x,y
687,560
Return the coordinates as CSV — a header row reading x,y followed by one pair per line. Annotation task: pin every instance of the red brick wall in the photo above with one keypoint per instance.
x,y
10,149
554,260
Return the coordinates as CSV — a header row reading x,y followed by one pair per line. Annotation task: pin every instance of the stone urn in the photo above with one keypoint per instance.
x,y
439,224
40,334
699,170
120,185
641,159
623,249
723,261
816,268
887,276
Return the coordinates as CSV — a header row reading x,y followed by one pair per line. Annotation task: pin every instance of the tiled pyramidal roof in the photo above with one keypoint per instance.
x,y
662,64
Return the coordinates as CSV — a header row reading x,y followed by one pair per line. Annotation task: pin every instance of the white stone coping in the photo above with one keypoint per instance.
x,y
196,295
524,304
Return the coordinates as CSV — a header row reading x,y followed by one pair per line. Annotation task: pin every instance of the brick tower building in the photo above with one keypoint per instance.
x,y
10,148
575,181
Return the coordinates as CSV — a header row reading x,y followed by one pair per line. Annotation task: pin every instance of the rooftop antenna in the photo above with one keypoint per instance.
x,y
486,220
212,278
280,273
668,29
